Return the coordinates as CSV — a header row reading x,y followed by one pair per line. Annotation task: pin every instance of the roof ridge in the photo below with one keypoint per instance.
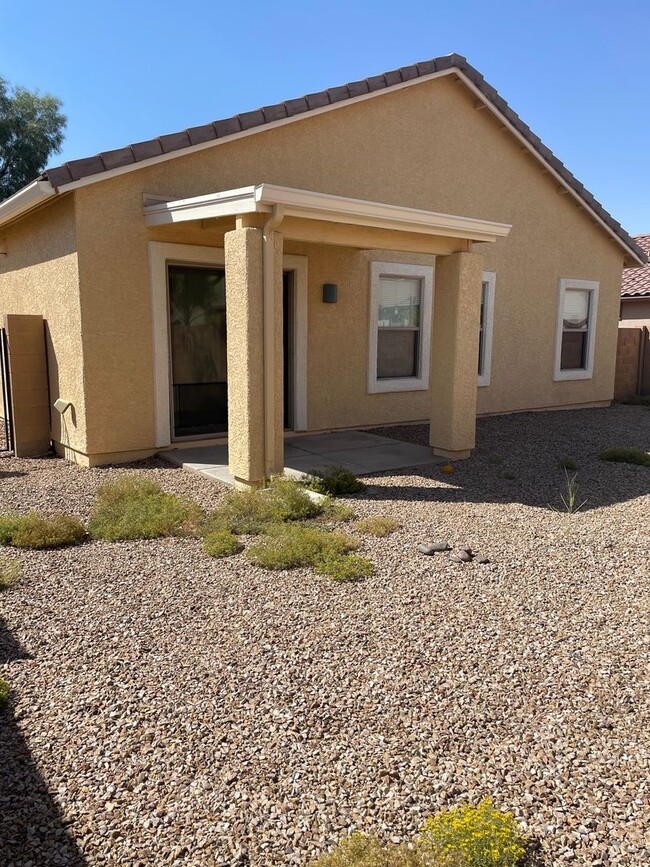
x,y
75,170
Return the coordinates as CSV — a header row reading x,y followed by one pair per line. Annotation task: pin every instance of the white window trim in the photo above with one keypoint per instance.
x,y
587,372
407,383
490,278
162,254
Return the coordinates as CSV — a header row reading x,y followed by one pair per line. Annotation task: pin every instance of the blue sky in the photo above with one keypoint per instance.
x,y
577,72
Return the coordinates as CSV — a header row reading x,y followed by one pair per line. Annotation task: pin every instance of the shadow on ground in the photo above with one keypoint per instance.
x,y
32,830
518,460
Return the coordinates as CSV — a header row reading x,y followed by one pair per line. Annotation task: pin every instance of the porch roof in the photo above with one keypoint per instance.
x,y
306,204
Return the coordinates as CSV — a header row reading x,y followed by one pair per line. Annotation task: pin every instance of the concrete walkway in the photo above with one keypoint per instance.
x,y
362,453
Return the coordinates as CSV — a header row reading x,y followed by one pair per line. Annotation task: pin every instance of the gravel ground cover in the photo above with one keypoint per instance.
x,y
173,709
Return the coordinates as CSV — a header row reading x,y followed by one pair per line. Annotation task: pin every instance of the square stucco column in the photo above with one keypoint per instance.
x,y
454,349
251,458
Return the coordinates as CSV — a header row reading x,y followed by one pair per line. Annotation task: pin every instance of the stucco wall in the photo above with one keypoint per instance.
x,y
635,312
425,146
39,275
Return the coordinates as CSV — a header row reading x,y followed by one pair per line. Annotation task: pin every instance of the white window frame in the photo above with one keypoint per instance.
x,y
490,278
406,383
593,287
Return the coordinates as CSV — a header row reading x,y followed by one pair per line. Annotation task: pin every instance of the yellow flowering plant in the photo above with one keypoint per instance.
x,y
485,836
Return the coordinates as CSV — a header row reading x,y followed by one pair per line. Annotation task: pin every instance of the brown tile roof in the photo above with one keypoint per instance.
x,y
636,281
76,169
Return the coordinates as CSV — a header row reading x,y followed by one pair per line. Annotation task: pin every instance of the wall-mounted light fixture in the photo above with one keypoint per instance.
x,y
330,291
61,405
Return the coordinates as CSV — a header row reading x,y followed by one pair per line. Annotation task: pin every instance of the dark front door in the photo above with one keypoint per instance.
x,y
197,316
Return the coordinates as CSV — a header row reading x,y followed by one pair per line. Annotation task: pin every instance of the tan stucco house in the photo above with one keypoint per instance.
x,y
398,249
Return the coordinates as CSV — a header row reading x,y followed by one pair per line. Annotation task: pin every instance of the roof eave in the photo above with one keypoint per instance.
x,y
25,200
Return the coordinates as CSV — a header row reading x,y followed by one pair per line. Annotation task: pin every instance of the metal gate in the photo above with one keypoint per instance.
x,y
7,409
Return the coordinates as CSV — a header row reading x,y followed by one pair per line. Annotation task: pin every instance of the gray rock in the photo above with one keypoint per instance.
x,y
466,549
433,547
460,556
483,560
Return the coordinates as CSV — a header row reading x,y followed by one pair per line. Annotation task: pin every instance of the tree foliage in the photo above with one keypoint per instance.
x,y
31,129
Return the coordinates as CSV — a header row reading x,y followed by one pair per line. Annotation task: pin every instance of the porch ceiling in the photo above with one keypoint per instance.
x,y
322,207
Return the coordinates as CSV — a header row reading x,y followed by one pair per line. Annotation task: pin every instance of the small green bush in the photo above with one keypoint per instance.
x,y
626,456
334,480
37,531
344,567
287,546
221,543
568,464
5,692
10,572
378,525
138,508
251,511
336,512
485,836
357,850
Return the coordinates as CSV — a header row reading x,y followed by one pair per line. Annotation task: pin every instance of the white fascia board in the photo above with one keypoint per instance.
x,y
24,200
549,168
323,206
223,204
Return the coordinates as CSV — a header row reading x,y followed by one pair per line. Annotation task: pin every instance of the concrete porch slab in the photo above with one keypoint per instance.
x,y
360,452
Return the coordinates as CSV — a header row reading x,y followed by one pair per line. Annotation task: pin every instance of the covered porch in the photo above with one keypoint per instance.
x,y
258,224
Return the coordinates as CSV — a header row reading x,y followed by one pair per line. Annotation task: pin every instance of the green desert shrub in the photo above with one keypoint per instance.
x,y
10,572
335,512
358,850
137,508
344,567
484,836
34,530
287,546
5,692
221,543
334,480
252,511
378,525
626,456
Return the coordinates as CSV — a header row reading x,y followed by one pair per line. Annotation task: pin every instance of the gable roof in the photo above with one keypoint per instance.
x,y
75,173
636,281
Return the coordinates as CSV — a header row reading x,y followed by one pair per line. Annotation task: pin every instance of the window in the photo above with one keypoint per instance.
x,y
486,328
576,329
400,327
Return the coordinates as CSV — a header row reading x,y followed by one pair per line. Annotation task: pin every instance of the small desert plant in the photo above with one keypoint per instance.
x,y
221,543
10,572
570,503
138,508
252,511
5,692
286,546
378,525
358,850
344,567
334,480
36,531
485,836
626,456
568,464
336,512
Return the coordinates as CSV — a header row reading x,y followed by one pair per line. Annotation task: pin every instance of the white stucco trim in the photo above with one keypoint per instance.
x,y
160,256
586,372
484,377
309,204
410,383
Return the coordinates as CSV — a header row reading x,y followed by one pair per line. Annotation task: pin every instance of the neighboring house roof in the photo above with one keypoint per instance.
x,y
636,281
75,172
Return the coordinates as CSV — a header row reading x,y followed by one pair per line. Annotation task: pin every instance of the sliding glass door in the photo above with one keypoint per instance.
x,y
197,317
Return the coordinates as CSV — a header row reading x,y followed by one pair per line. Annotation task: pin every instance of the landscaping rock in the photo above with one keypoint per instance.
x,y
460,556
433,547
